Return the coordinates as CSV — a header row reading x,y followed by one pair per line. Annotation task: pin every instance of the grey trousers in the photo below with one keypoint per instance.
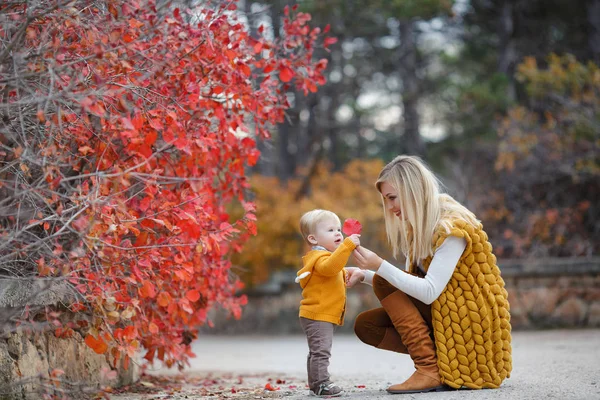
x,y
319,335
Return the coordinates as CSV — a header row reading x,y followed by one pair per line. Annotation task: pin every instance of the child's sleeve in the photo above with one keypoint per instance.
x,y
333,264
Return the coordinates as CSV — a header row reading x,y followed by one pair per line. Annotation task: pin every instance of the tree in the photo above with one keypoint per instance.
x,y
126,129
550,153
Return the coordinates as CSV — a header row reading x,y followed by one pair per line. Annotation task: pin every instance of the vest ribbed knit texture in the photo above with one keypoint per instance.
x,y
471,319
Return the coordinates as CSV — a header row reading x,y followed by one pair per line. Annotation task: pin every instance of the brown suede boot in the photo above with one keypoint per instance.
x,y
415,336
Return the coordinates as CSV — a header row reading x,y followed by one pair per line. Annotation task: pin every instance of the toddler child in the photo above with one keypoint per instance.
x,y
323,304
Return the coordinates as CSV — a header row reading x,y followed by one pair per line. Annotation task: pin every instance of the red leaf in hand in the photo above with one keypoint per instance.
x,y
351,227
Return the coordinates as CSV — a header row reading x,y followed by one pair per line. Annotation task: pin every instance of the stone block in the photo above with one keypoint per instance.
x,y
592,294
594,314
539,303
571,312
8,390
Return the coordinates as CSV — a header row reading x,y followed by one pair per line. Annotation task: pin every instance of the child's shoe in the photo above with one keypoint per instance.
x,y
327,390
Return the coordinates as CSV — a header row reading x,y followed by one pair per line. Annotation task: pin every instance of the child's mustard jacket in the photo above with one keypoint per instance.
x,y
324,287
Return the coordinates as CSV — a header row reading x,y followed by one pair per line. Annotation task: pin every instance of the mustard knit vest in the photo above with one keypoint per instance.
x,y
471,319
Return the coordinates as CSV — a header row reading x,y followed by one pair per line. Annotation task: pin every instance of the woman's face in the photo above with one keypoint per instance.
x,y
390,196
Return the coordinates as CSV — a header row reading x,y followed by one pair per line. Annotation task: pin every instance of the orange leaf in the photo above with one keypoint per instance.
x,y
270,387
164,299
147,290
153,328
193,295
98,345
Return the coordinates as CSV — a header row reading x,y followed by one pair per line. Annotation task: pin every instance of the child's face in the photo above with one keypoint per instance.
x,y
328,233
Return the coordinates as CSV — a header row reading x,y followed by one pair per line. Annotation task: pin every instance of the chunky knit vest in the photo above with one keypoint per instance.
x,y
471,319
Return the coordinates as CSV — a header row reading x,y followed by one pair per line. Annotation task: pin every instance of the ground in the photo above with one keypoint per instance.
x,y
559,364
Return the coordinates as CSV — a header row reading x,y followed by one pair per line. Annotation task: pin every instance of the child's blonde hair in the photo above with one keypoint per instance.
x,y
422,204
310,219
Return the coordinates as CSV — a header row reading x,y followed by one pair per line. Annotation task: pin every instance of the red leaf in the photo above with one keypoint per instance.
x,y
329,41
245,70
137,120
285,74
150,138
351,227
193,295
268,68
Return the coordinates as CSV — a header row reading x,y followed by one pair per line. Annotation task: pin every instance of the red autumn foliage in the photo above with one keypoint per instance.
x,y
128,131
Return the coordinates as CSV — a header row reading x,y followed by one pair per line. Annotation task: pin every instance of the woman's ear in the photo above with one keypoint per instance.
x,y
312,239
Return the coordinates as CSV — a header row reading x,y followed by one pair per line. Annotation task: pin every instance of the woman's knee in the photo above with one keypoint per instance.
x,y
382,288
364,330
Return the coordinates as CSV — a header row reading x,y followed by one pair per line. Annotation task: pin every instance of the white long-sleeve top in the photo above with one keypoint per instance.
x,y
440,271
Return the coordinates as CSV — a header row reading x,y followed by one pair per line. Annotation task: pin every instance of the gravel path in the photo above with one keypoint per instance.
x,y
559,364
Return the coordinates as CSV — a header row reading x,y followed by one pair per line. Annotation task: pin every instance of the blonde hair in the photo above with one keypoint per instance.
x,y
423,206
309,221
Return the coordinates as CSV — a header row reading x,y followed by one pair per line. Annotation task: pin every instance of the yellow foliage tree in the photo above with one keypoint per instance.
x,y
350,193
549,160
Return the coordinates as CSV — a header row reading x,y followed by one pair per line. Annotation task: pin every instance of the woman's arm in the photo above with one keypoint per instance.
x,y
440,271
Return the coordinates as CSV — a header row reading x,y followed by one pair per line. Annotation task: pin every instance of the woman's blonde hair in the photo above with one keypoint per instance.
x,y
423,206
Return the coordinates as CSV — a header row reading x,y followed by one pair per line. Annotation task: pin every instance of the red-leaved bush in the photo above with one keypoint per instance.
x,y
126,128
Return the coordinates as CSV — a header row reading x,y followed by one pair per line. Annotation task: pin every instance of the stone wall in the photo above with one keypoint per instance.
x,y
27,363
34,364
543,293
549,293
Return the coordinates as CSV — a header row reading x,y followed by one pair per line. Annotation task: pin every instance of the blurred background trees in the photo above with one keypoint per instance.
x,y
500,97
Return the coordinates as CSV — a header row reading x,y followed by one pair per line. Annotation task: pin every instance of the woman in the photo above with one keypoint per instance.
x,y
449,309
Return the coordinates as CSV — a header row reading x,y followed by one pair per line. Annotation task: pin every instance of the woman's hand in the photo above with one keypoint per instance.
x,y
366,259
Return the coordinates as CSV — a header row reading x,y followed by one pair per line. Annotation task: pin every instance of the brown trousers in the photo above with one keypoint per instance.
x,y
374,327
319,335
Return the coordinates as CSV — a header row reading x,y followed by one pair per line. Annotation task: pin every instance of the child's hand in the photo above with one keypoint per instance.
x,y
353,276
355,239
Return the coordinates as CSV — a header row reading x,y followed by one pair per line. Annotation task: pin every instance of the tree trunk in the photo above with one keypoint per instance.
x,y
411,140
507,53
286,162
266,163
593,14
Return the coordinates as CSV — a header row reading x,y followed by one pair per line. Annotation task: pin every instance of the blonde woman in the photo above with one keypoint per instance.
x,y
448,308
